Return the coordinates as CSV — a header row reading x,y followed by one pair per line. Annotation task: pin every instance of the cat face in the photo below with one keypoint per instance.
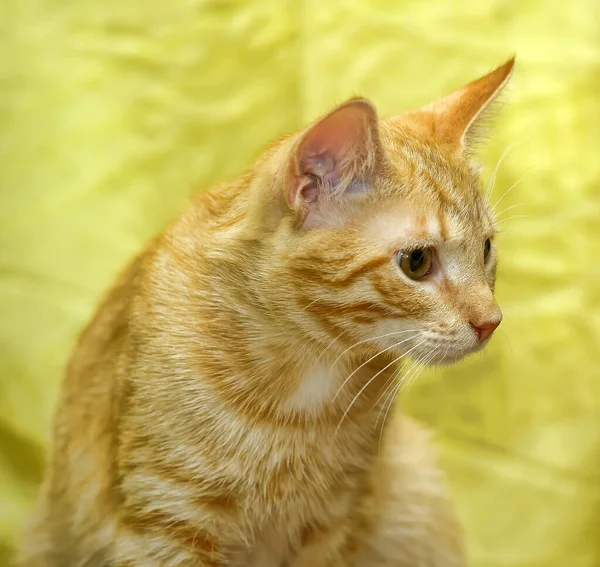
x,y
439,231
411,270
441,276
390,246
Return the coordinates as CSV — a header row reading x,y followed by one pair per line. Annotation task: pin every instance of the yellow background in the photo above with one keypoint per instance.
x,y
113,111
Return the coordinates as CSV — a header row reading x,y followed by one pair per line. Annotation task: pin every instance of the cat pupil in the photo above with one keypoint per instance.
x,y
416,260
487,248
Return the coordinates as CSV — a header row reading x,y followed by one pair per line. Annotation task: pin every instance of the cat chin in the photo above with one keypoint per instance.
x,y
449,358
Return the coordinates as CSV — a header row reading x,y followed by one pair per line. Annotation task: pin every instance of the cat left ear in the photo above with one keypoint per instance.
x,y
453,120
332,158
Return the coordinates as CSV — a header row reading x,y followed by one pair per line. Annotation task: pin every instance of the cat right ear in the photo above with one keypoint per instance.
x,y
332,159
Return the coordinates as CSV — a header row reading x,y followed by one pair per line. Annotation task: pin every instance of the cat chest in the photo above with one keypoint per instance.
x,y
309,495
290,538
279,481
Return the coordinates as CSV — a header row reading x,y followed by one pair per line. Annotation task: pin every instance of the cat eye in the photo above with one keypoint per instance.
x,y
416,264
487,248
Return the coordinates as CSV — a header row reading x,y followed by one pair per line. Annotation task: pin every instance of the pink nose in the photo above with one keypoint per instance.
x,y
484,330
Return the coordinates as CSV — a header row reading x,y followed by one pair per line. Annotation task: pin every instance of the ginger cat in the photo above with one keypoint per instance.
x,y
229,404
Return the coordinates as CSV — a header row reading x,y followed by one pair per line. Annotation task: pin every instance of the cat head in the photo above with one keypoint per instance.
x,y
383,237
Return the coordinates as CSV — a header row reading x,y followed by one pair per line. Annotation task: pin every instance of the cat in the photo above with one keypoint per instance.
x,y
231,403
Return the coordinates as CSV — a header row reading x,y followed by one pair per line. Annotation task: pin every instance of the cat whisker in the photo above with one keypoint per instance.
x,y
497,215
371,380
312,303
415,370
396,375
370,339
509,233
409,378
355,344
521,178
514,217
324,351
375,376
372,358
389,390
390,382
335,340
492,181
437,365
423,364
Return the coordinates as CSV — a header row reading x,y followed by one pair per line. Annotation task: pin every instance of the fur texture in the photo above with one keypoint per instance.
x,y
230,402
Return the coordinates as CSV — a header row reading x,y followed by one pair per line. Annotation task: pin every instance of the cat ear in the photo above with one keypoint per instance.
x,y
333,157
454,119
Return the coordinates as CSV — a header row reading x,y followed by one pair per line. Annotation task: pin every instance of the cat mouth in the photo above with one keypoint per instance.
x,y
451,354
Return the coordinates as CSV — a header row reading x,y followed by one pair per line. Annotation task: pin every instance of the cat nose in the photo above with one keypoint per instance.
x,y
484,330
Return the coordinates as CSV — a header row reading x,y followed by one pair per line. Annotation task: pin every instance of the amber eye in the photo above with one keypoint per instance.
x,y
487,247
416,264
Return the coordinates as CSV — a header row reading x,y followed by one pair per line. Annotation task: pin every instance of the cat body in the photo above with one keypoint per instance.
x,y
230,403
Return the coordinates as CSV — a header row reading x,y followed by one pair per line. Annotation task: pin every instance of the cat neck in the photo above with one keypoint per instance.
x,y
250,351
276,376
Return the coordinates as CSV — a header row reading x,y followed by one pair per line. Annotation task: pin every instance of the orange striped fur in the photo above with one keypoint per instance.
x,y
229,404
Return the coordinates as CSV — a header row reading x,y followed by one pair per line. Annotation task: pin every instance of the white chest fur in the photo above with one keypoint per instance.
x,y
316,388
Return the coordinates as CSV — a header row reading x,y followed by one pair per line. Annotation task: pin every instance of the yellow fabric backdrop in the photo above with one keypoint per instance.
x,y
113,111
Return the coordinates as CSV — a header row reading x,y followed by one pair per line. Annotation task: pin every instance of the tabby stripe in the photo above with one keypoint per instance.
x,y
331,308
179,531
209,496
339,279
441,217
382,286
363,269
